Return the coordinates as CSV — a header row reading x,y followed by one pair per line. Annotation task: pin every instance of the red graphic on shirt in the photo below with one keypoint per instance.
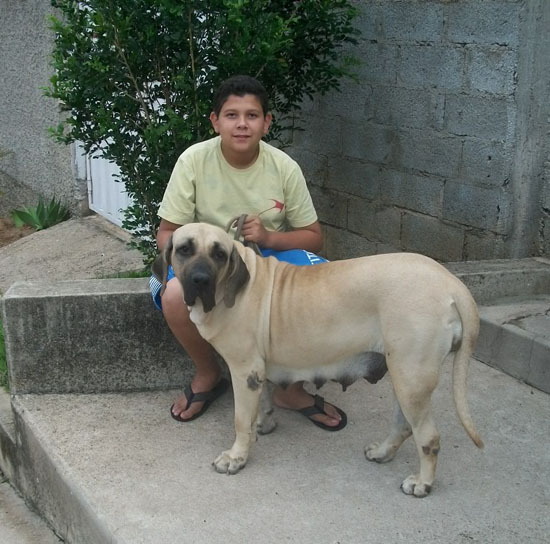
x,y
276,206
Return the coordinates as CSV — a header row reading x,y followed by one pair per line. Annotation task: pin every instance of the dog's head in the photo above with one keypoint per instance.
x,y
205,259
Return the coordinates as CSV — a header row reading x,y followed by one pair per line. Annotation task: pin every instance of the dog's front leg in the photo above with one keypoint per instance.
x,y
247,388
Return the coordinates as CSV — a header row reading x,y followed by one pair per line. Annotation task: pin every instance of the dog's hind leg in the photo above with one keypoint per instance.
x,y
399,432
416,405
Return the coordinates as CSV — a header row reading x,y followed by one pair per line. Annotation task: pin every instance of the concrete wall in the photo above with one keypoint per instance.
x,y
441,146
89,336
32,163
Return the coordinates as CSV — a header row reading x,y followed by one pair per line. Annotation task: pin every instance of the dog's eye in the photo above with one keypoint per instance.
x,y
220,254
184,249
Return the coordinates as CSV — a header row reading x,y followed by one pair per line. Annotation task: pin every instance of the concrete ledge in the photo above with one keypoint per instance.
x,y
107,476
515,338
514,303
8,448
93,336
492,280
89,336
45,479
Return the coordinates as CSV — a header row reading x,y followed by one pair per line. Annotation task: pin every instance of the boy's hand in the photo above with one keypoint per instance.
x,y
254,231
309,238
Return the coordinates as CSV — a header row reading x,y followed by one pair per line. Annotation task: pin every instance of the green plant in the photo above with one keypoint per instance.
x,y
138,76
41,216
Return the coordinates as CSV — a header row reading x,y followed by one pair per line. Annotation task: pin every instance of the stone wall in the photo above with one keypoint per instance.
x,y
440,147
32,162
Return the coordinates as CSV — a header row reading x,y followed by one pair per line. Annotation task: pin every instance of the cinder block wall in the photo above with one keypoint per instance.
x,y
441,146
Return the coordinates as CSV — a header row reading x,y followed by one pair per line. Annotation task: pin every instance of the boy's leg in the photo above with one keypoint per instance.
x,y
295,397
201,352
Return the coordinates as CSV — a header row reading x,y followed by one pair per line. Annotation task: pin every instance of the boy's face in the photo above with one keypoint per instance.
x,y
241,124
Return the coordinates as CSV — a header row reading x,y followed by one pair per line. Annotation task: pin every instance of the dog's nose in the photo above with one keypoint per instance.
x,y
201,279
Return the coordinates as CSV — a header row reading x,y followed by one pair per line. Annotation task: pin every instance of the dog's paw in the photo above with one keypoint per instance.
x,y
266,424
226,464
379,453
412,486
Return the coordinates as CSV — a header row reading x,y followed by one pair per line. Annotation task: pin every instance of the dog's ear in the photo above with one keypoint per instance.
x,y
159,268
238,278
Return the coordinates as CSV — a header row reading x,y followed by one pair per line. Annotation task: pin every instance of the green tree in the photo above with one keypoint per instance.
x,y
137,77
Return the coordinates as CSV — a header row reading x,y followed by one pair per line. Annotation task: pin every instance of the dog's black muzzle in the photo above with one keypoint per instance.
x,y
199,281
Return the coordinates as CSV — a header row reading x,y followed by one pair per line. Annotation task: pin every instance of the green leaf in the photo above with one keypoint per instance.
x,y
42,216
23,217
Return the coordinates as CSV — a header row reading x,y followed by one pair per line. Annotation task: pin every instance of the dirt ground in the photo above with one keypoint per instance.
x,y
10,233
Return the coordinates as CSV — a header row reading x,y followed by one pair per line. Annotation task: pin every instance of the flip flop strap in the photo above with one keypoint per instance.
x,y
193,397
317,408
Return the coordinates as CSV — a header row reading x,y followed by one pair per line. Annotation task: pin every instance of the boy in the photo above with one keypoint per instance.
x,y
215,181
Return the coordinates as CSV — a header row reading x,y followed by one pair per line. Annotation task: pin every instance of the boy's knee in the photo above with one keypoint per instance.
x,y
172,300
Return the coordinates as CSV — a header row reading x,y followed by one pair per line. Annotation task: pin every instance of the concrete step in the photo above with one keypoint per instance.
x,y
116,468
515,338
88,440
17,524
514,306
105,335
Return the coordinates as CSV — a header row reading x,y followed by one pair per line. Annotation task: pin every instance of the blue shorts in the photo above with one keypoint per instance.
x,y
298,257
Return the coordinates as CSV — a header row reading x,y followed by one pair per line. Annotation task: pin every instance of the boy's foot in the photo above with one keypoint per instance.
x,y
295,397
183,409
319,408
206,399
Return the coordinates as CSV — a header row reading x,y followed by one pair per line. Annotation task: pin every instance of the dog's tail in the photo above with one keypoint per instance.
x,y
467,310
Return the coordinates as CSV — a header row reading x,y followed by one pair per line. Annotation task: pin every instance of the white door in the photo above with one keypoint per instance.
x,y
106,195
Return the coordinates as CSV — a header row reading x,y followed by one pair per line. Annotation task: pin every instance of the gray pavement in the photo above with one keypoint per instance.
x,y
18,525
81,248
117,468
141,477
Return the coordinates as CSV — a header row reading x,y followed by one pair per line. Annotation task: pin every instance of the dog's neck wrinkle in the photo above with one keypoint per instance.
x,y
197,314
206,322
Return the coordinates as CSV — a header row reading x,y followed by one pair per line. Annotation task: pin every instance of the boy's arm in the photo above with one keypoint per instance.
x,y
166,228
309,238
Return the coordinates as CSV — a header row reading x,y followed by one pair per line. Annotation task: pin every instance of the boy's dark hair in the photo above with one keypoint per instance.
x,y
239,86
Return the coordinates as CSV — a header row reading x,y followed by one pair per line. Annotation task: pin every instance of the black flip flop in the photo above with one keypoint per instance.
x,y
208,397
319,408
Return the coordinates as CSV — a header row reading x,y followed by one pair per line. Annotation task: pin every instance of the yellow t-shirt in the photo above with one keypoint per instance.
x,y
204,187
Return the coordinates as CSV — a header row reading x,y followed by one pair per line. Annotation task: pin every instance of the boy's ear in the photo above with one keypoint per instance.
x,y
214,120
267,122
